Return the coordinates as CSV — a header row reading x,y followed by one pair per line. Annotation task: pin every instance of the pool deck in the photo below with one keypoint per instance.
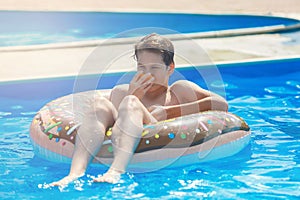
x,y
19,63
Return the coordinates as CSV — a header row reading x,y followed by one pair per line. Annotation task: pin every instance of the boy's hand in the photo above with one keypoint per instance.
x,y
140,84
158,112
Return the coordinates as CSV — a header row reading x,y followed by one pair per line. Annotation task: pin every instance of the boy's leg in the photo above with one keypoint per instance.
x,y
127,131
96,117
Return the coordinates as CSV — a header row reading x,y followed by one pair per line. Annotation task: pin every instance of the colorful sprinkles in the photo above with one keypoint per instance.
x,y
51,126
171,135
203,126
70,131
109,132
110,149
62,119
145,132
183,136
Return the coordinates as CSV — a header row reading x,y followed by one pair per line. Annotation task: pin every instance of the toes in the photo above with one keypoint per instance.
x,y
97,180
58,184
106,179
103,180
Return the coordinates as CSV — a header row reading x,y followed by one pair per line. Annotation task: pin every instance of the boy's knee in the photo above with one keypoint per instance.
x,y
97,105
102,102
130,99
130,104
100,109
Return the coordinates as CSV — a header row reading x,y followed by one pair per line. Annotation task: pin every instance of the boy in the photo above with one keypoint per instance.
x,y
147,99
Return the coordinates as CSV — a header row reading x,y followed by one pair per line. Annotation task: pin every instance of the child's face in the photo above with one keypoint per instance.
x,y
151,62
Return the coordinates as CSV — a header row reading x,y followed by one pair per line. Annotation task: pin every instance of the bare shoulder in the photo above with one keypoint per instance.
x,y
187,91
180,84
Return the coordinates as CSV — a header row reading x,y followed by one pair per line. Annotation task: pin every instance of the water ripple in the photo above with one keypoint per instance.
x,y
268,168
3,114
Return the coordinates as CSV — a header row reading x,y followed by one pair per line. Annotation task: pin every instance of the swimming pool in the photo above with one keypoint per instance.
x,y
28,28
265,93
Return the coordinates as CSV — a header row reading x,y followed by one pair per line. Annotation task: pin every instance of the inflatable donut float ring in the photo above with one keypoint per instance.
x,y
180,141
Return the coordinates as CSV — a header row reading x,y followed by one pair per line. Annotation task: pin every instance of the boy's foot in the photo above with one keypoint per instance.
x,y
64,181
111,176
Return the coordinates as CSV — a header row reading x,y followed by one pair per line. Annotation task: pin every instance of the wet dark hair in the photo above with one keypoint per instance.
x,y
158,44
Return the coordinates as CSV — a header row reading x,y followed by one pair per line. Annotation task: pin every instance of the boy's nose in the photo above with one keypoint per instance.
x,y
147,71
148,74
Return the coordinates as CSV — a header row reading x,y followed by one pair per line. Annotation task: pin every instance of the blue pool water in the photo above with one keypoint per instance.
x,y
266,94
27,28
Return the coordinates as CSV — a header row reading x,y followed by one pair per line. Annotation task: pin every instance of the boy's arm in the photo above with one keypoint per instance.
x,y
193,99
138,86
208,103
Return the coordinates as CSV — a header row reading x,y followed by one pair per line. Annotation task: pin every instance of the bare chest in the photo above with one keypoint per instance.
x,y
166,99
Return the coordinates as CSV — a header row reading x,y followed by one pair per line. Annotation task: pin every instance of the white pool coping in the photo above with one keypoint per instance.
x,y
66,59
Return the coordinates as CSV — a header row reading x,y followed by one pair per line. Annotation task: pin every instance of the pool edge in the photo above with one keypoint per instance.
x,y
220,64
